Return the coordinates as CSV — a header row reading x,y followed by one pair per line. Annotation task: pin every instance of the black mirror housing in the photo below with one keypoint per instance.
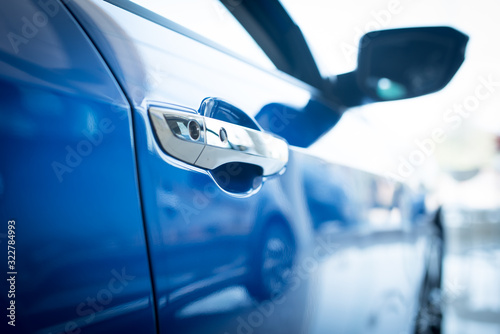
x,y
402,63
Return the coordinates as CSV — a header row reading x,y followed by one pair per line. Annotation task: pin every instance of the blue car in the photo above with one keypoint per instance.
x,y
155,178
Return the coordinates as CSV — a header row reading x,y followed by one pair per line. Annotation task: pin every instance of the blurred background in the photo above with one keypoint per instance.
x,y
462,169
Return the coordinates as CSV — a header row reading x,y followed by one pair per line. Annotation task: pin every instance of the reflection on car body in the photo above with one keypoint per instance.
x,y
119,230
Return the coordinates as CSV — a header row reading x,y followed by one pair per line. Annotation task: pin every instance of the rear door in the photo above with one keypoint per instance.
x,y
203,226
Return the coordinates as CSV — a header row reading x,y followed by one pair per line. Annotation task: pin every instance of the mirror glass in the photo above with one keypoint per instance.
x,y
403,63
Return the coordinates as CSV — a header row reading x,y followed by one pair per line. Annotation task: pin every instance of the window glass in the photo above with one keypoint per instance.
x,y
210,19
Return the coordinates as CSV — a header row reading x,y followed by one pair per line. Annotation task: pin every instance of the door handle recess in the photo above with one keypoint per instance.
x,y
209,143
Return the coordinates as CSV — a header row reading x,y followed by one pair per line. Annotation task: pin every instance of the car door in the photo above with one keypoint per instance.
x,y
204,225
206,222
69,200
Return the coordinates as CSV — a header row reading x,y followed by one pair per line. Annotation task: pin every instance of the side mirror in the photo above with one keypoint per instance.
x,y
402,63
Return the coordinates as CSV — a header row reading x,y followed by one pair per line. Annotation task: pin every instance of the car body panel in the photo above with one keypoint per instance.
x,y
186,212
81,260
199,242
200,239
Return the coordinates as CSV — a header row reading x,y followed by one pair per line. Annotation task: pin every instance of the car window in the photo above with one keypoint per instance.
x,y
212,20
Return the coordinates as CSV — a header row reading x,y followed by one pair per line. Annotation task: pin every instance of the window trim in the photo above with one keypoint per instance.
x,y
151,16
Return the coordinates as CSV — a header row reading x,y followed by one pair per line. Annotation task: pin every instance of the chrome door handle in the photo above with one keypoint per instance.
x,y
209,143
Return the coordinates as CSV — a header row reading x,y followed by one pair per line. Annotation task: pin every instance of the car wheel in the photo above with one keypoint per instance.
x,y
273,263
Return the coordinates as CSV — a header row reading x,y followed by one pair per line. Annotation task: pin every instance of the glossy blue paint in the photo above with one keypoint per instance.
x,y
202,239
299,126
87,183
68,180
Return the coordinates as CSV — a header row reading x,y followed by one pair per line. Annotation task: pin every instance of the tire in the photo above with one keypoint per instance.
x,y
272,264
